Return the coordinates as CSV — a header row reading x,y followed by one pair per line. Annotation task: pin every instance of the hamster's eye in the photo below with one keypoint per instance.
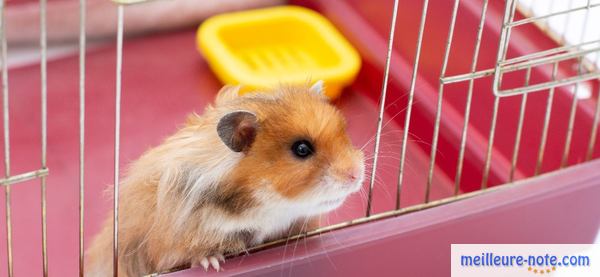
x,y
302,149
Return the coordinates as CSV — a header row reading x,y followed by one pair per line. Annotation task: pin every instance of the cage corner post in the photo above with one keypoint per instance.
x,y
119,75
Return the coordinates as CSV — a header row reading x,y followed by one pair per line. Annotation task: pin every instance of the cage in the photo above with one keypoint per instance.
x,y
476,115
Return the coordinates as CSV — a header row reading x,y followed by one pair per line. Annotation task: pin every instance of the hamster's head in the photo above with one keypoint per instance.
x,y
295,149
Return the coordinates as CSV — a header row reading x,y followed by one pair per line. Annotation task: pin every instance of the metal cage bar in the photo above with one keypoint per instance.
x,y
547,116
41,173
509,13
518,134
382,106
117,138
573,111
438,113
44,120
411,96
6,113
82,5
463,136
594,131
19,178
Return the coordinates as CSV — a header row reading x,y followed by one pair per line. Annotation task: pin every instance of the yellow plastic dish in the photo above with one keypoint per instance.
x,y
288,44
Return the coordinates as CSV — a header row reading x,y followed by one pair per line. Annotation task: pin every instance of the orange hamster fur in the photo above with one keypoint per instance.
x,y
253,167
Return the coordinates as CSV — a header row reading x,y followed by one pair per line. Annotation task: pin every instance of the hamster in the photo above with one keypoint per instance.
x,y
253,167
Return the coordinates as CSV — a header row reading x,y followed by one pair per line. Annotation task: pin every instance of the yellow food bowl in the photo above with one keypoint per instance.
x,y
266,47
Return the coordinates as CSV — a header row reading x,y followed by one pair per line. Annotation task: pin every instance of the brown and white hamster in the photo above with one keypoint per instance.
x,y
251,168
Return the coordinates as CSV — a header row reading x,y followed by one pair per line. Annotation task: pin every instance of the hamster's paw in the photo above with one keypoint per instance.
x,y
210,261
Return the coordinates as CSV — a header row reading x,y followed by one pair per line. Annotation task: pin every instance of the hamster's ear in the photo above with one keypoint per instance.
x,y
317,87
227,93
238,130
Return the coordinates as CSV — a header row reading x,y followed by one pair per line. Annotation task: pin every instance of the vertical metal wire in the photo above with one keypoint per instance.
x,y
44,96
515,155
117,139
570,128
5,112
436,128
596,122
382,105
573,111
81,131
490,146
594,132
548,114
503,48
463,138
411,96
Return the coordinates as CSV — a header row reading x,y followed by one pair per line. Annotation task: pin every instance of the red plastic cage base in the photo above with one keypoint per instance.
x,y
556,208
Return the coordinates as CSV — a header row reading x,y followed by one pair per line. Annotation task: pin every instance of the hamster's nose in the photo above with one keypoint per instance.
x,y
353,174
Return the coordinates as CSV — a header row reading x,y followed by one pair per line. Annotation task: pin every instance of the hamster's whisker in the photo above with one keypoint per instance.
x,y
297,240
325,250
333,233
387,149
306,245
392,103
384,156
394,116
382,135
388,122
246,253
327,253
363,194
384,188
287,240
